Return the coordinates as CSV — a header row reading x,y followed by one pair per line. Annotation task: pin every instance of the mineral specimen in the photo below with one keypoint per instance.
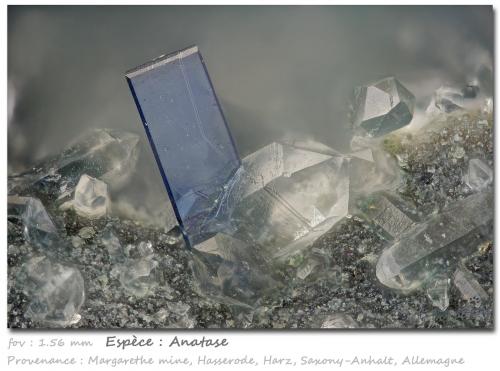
x,y
138,273
109,155
390,213
447,99
468,286
402,266
91,198
231,271
39,230
284,197
382,107
56,292
479,175
339,320
437,292
188,133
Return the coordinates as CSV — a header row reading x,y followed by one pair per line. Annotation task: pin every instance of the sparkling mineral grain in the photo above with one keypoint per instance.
x,y
437,292
286,197
468,286
39,230
56,292
402,266
91,199
109,155
478,175
382,107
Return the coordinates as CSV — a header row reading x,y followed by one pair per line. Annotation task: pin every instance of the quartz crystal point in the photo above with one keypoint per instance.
x,y
91,198
230,271
109,155
447,99
468,286
403,265
479,175
393,215
188,133
382,107
39,230
56,292
284,197
138,273
437,292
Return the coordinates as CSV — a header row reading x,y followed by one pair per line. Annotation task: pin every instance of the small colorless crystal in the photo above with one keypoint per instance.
x,y
56,292
109,155
468,286
390,213
447,99
39,230
111,242
137,276
479,175
403,265
437,292
179,308
91,198
339,320
231,271
382,107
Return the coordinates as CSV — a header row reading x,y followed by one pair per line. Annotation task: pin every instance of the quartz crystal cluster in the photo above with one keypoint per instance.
x,y
397,232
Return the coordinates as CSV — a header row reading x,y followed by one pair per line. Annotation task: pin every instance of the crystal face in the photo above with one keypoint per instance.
x,y
39,229
109,155
437,292
448,99
402,266
91,198
231,271
479,175
188,133
382,107
283,197
389,213
468,286
56,292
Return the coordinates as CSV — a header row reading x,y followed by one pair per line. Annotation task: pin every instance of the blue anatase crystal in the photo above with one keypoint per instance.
x,y
188,134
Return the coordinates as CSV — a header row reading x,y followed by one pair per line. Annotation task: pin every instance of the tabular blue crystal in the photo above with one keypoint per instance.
x,y
188,133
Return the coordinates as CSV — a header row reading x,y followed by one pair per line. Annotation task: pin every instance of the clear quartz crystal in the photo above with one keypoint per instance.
x,y
437,292
468,286
109,155
56,292
39,229
137,276
111,243
91,199
393,215
404,265
284,197
231,271
447,99
479,175
382,107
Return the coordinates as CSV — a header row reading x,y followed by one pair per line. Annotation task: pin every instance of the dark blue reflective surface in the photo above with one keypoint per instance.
x,y
188,133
